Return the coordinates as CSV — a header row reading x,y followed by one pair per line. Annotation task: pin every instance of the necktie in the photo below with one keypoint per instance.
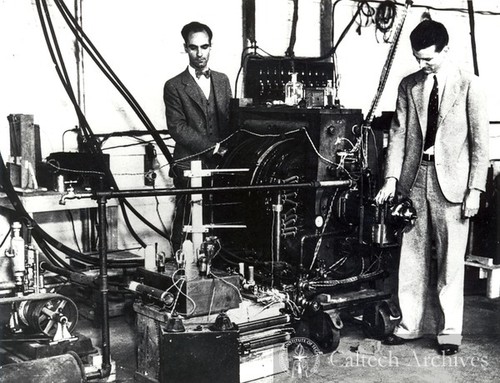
x,y
432,116
200,73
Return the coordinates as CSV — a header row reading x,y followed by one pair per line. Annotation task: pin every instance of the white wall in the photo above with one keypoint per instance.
x,y
361,57
141,41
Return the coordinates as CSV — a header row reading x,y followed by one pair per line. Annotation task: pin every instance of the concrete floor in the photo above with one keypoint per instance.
x,y
417,361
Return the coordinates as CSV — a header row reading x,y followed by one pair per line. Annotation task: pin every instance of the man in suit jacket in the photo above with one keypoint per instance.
x,y
438,156
197,111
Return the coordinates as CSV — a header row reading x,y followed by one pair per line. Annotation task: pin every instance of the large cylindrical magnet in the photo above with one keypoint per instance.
x,y
66,368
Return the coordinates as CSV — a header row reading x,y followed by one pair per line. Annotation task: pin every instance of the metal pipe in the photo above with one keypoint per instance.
x,y
267,341
470,7
264,323
103,279
205,190
277,209
62,368
71,275
160,295
196,214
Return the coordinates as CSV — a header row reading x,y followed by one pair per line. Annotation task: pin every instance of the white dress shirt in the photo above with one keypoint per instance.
x,y
203,82
429,82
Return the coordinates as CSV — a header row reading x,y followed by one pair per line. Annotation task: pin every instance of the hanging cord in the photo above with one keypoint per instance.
x,y
22,214
384,18
61,71
109,73
472,24
78,32
382,81
293,34
325,224
5,238
366,15
47,26
387,66
39,235
89,135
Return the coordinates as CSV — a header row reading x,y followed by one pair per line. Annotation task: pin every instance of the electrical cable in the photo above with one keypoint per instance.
x,y
71,21
367,11
387,66
42,238
157,208
22,214
228,283
109,73
426,6
243,60
70,215
6,236
385,16
60,68
94,148
330,53
64,133
61,71
129,145
293,34
325,224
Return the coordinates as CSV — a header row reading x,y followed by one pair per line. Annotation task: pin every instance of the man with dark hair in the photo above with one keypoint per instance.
x,y
438,156
197,112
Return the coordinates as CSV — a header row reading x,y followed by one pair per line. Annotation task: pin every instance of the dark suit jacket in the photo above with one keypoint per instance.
x,y
186,116
462,140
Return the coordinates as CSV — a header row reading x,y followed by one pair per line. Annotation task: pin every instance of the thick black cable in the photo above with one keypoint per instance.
x,y
472,25
293,34
385,16
22,214
243,59
93,52
43,238
77,31
67,86
387,66
95,149
73,228
6,236
62,73
346,29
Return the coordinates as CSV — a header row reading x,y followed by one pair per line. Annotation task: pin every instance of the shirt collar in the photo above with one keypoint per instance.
x,y
192,72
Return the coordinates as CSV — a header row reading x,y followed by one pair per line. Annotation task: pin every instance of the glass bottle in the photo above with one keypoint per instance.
x,y
294,91
329,94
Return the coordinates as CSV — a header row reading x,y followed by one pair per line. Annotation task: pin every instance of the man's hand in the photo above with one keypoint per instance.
x,y
387,192
470,206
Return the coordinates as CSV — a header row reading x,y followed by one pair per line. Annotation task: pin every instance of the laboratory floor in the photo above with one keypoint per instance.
x,y
358,359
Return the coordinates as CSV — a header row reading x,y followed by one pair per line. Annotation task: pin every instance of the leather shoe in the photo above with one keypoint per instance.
x,y
448,349
393,340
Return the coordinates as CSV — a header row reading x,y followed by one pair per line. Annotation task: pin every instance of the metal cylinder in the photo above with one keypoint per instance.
x,y
267,341
264,323
164,296
251,277
241,267
66,368
60,188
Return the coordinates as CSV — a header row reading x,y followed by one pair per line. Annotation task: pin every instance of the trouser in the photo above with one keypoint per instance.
x,y
182,213
438,222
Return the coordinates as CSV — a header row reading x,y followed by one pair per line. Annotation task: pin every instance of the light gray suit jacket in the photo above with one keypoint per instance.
x,y
186,114
462,139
